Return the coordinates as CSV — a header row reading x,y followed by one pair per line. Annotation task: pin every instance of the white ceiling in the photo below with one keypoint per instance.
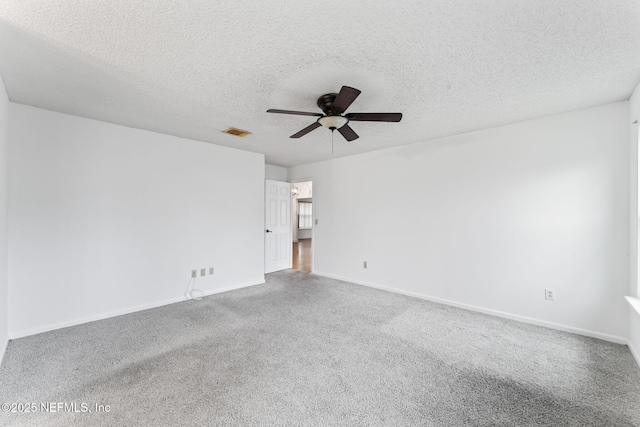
x,y
194,68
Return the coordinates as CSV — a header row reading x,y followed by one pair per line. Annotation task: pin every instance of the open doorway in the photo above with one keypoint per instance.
x,y
302,225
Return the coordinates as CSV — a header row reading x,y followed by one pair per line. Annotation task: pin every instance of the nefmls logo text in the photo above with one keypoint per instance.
x,y
64,407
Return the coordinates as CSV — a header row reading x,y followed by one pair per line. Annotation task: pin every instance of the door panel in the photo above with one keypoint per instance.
x,y
277,221
284,212
273,213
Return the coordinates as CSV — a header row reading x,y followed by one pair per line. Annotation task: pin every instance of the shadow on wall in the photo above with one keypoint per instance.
x,y
70,84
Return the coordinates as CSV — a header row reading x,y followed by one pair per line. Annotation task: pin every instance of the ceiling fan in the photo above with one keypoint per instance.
x,y
334,105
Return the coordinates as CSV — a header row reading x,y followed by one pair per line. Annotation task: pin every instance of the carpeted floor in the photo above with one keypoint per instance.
x,y
306,350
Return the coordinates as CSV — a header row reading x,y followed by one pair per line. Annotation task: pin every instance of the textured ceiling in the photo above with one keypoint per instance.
x,y
194,68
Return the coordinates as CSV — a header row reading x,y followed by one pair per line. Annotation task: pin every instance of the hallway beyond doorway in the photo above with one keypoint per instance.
x,y
302,255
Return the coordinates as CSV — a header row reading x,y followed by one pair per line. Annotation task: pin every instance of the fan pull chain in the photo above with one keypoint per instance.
x,y
332,130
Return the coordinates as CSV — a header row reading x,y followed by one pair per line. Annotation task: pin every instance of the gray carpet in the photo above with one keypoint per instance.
x,y
305,350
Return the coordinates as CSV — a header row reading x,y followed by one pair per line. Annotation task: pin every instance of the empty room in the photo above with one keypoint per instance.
x,y
319,213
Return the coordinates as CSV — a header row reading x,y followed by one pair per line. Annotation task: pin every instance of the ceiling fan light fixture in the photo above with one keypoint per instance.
x,y
333,122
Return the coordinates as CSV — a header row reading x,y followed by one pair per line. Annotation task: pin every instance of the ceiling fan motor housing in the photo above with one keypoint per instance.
x,y
325,102
333,120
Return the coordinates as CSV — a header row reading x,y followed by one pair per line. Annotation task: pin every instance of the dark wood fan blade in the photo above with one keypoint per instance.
x,y
298,113
346,96
348,133
374,117
306,130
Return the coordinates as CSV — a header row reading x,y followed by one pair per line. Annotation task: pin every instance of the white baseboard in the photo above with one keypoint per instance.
x,y
635,319
25,333
497,313
634,353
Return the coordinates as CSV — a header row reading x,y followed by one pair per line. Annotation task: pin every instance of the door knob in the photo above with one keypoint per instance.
x,y
269,231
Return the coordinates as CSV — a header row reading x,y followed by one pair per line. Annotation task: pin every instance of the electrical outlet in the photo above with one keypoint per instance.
x,y
316,222
364,264
194,274
210,270
550,294
203,271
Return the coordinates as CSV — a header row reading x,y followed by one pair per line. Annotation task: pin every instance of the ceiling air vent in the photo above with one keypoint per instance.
x,y
237,132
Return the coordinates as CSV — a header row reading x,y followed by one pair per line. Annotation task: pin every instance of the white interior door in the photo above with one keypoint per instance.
x,y
277,220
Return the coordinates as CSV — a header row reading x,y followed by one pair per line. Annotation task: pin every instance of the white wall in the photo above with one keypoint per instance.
x,y
490,219
305,233
634,290
275,173
4,175
105,219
